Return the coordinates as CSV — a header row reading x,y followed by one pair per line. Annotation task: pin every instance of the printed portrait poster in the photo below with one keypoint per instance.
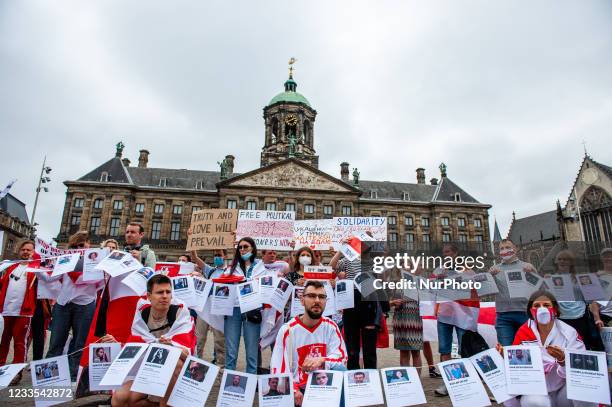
x,y
91,258
524,370
402,386
487,284
561,286
323,388
280,295
156,370
137,280
237,389
296,301
118,263
515,279
194,383
65,264
275,390
267,285
271,230
591,288
101,355
463,384
8,373
183,289
362,388
248,296
130,356
224,297
344,294
202,288
587,376
51,372
490,366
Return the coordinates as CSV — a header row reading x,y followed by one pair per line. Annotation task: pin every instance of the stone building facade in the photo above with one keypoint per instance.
x,y
104,200
14,226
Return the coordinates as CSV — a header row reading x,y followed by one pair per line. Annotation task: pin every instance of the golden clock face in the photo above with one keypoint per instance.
x,y
291,120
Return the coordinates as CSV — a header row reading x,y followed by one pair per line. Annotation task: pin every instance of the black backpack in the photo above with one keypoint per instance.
x,y
471,344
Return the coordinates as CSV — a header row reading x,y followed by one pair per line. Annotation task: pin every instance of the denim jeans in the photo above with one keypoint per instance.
x,y
445,337
67,317
234,327
507,324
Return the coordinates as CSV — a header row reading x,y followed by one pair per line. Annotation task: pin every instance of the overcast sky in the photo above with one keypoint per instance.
x,y
504,92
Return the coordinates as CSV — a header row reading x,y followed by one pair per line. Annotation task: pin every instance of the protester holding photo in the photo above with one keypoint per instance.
x,y
17,304
158,320
602,310
74,309
303,257
510,311
271,263
576,313
543,328
308,342
244,264
134,233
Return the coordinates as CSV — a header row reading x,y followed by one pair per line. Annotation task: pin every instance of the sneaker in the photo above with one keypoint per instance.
x,y
441,391
434,374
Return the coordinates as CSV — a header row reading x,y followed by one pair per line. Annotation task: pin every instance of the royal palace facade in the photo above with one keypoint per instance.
x,y
419,213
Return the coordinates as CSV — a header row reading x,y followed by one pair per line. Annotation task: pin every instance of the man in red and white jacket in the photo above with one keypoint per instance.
x,y
17,304
308,342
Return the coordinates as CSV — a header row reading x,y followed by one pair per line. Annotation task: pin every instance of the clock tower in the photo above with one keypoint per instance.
x,y
289,122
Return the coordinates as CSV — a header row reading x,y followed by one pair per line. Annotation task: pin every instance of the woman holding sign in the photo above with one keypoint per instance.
x,y
303,257
245,264
543,328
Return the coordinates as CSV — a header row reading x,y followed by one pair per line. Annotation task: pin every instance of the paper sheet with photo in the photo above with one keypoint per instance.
x,y
591,288
463,384
237,389
524,370
130,355
364,282
186,267
118,263
8,372
323,388
515,280
330,304
345,296
223,299
248,296
65,264
101,355
296,304
202,288
91,258
137,280
452,294
156,370
561,286
402,386
267,285
183,289
280,294
587,376
533,282
490,366
275,390
487,284
362,388
51,372
194,383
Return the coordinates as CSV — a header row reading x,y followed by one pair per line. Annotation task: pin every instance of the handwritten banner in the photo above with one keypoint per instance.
x,y
46,250
271,230
316,234
212,229
347,226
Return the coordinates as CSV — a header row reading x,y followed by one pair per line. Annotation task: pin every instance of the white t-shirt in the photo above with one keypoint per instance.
x,y
15,291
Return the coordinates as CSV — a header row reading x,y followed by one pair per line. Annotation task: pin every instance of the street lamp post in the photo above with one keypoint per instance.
x,y
43,179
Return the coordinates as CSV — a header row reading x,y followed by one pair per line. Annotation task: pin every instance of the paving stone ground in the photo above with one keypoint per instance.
x,y
386,358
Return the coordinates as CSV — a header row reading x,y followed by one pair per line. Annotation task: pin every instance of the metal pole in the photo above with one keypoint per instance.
x,y
38,192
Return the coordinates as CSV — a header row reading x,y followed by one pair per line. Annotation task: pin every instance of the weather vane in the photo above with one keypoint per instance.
x,y
292,61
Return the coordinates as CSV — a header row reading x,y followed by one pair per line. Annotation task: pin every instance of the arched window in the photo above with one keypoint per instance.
x,y
274,136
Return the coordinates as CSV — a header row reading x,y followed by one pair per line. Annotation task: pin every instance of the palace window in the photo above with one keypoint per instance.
x,y
155,230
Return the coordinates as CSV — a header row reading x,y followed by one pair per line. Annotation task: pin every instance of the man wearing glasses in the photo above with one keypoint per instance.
x,y
17,304
309,342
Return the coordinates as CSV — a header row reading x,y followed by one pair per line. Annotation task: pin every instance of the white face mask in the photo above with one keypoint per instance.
x,y
305,260
543,315
506,254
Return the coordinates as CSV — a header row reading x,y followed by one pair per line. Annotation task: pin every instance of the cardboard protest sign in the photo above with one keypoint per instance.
x,y
271,230
314,233
212,229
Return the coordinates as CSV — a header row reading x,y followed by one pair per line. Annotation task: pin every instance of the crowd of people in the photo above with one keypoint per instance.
x,y
82,313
